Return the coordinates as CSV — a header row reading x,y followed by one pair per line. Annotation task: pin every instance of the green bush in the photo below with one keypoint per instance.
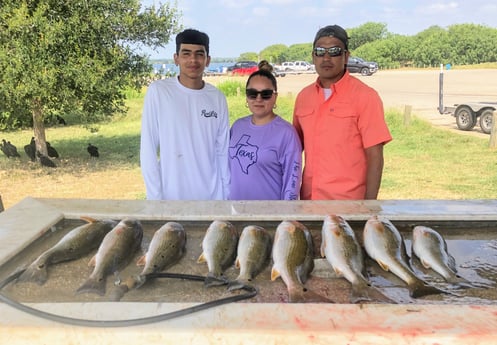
x,y
231,88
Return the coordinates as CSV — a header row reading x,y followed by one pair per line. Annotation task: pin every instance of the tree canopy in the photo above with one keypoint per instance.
x,y
77,57
459,44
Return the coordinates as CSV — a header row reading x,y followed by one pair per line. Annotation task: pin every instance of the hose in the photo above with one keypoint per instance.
x,y
251,292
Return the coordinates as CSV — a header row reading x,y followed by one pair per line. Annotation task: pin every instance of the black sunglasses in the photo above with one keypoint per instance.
x,y
332,51
265,94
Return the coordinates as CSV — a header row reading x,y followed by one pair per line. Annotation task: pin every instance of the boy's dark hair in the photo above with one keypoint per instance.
x,y
192,36
264,73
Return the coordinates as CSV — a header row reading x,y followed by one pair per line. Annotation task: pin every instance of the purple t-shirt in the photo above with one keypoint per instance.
x,y
265,160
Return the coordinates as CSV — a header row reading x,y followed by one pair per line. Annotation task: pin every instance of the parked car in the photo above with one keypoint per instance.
x,y
296,66
358,65
243,68
278,71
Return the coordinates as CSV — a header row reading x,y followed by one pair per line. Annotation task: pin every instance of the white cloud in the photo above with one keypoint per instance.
x,y
438,7
261,11
279,2
235,3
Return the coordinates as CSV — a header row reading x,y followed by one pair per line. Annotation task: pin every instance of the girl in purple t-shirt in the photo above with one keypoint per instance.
x,y
265,152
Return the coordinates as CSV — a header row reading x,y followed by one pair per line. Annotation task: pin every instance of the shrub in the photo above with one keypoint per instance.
x,y
231,87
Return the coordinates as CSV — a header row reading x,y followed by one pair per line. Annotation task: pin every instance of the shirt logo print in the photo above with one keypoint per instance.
x,y
244,152
208,114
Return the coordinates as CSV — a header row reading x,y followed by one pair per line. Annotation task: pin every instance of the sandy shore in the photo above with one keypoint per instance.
x,y
416,88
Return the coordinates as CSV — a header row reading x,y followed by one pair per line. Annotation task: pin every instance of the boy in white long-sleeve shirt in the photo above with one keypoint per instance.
x,y
185,130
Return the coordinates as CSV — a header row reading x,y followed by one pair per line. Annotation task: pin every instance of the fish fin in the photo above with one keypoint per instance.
x,y
338,272
142,260
425,264
451,262
88,219
93,285
302,274
35,274
274,274
93,261
201,258
383,265
403,250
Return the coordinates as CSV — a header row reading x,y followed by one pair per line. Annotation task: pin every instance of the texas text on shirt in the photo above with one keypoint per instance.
x,y
266,161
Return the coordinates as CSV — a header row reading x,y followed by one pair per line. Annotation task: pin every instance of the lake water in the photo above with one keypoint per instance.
x,y
168,69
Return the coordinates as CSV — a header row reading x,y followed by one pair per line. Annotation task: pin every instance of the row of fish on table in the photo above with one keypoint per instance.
x,y
251,250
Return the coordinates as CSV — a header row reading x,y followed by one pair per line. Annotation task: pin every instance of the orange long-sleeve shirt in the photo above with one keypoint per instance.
x,y
334,134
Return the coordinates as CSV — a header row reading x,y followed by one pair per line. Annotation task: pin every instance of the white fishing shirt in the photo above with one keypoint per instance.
x,y
184,142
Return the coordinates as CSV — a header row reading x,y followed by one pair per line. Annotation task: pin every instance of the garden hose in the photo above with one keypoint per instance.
x,y
250,292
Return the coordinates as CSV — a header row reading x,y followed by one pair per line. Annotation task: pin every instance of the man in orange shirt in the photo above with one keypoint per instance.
x,y
341,124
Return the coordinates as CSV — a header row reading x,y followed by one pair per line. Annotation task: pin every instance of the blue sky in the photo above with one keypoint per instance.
x,y
239,26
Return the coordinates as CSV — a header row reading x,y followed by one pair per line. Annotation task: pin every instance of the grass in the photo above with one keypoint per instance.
x,y
422,162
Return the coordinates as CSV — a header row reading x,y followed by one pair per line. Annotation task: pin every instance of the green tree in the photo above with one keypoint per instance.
x,y
432,48
74,57
250,56
300,51
472,43
274,53
366,33
384,52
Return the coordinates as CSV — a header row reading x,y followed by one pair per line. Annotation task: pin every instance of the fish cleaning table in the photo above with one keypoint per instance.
x,y
469,321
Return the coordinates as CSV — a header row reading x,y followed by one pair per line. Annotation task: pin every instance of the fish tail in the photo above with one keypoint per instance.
x,y
132,282
213,280
35,274
460,282
118,292
93,285
300,294
240,282
360,293
368,293
136,281
420,289
296,294
236,285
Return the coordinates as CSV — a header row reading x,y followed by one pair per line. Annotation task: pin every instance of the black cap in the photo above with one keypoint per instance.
x,y
332,31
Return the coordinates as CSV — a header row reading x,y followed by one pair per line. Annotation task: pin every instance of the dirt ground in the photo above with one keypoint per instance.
x,y
418,89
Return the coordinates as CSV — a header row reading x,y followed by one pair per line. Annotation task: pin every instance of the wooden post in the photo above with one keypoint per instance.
x,y
493,132
407,115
